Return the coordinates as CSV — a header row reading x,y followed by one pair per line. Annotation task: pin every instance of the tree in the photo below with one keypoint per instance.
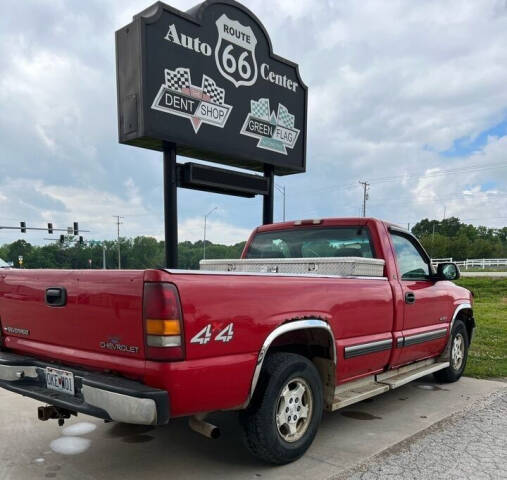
x,y
136,253
451,238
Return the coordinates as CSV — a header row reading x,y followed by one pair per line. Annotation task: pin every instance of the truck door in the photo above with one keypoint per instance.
x,y
427,304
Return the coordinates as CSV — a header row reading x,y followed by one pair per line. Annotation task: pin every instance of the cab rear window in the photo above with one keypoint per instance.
x,y
312,242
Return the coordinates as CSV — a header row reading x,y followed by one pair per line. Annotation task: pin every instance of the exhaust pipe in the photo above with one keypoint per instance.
x,y
197,424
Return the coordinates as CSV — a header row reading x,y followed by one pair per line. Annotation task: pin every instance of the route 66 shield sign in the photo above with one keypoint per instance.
x,y
235,52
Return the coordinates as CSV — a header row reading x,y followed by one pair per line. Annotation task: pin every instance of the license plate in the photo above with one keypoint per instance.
x,y
60,380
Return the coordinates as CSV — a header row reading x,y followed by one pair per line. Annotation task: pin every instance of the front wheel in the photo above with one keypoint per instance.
x,y
458,355
283,418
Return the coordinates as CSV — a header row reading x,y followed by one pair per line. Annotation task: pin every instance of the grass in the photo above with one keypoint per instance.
x,y
488,352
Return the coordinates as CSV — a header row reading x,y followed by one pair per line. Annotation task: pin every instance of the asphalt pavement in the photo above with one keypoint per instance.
x,y
470,445
86,448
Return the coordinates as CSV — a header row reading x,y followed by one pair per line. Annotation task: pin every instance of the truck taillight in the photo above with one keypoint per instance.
x,y
163,322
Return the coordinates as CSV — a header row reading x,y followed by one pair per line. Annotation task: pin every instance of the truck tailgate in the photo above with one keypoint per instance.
x,y
102,313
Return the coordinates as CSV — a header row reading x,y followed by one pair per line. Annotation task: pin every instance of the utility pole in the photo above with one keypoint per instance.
x,y
365,195
103,256
204,241
118,223
281,189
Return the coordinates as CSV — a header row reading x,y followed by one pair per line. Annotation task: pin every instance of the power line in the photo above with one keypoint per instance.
x,y
455,171
487,197
460,219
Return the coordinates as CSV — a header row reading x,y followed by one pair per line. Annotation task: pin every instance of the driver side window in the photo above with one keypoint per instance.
x,y
410,262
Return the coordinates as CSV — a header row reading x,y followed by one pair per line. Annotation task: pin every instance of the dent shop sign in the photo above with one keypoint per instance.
x,y
208,81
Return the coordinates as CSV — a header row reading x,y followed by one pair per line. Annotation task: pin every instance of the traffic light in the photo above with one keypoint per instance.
x,y
81,241
50,228
23,227
62,239
76,228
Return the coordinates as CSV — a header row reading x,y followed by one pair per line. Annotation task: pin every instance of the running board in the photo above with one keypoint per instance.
x,y
359,390
406,377
357,393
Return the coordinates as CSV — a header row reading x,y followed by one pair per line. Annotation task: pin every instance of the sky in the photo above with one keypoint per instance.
x,y
408,96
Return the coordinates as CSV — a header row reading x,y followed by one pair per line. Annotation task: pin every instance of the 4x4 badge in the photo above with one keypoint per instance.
x,y
204,104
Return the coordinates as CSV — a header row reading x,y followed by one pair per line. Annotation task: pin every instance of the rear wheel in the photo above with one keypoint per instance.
x,y
457,356
283,418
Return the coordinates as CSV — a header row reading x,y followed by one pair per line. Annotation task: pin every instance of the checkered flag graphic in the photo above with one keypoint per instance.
x,y
177,79
284,117
260,109
209,88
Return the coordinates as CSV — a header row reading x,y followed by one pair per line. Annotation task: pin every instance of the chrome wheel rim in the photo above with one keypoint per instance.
x,y
458,351
294,410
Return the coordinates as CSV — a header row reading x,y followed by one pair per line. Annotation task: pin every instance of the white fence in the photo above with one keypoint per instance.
x,y
473,262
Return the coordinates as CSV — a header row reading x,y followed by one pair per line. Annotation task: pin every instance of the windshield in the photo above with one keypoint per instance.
x,y
312,242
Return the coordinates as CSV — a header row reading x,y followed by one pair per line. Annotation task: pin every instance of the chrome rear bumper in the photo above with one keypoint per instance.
x,y
103,396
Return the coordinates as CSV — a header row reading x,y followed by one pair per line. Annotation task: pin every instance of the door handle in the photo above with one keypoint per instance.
x,y
56,296
410,297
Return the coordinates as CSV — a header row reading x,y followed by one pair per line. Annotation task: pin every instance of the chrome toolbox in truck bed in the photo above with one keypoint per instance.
x,y
340,266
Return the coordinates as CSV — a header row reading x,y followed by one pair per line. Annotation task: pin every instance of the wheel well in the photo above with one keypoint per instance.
x,y
310,343
467,317
316,344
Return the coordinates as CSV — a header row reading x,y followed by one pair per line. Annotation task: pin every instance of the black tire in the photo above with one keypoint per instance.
x,y
454,371
263,435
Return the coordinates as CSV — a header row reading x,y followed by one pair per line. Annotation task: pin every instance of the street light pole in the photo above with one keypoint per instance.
x,y
204,242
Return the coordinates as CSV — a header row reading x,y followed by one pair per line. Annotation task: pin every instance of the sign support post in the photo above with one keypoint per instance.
x,y
268,199
170,206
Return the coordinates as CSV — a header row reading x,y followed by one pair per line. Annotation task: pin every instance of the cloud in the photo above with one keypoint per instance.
x,y
62,205
217,231
392,85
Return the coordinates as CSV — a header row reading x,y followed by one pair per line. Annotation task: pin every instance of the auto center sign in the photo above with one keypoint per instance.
x,y
208,81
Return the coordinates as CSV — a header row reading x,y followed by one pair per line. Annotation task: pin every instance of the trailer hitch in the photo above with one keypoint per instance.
x,y
51,412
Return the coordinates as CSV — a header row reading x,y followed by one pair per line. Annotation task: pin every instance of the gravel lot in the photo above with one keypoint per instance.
x,y
468,445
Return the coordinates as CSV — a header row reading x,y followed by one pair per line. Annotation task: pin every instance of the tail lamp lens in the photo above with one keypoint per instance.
x,y
163,322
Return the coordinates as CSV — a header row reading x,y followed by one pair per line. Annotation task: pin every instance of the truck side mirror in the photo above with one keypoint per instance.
x,y
447,271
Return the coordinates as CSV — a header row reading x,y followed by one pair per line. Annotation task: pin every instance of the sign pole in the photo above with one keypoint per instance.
x,y
267,210
170,205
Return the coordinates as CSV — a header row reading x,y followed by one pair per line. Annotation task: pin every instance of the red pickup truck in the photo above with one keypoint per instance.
x,y
338,310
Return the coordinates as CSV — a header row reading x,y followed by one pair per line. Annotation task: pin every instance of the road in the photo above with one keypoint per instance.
x,y
470,445
86,448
